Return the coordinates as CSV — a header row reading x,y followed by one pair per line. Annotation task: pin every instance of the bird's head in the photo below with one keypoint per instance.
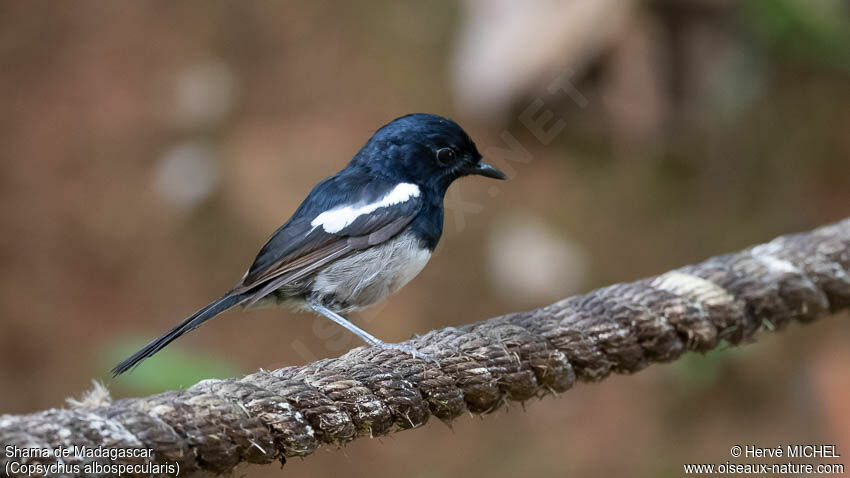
x,y
424,149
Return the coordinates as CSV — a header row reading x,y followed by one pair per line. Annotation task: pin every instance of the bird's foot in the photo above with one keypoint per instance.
x,y
408,350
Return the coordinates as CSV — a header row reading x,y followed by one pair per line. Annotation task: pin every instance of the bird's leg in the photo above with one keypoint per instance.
x,y
366,336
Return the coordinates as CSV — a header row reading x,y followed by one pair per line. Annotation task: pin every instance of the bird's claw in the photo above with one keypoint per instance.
x,y
408,350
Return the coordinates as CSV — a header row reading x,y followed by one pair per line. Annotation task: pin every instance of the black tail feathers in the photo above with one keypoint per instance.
x,y
192,322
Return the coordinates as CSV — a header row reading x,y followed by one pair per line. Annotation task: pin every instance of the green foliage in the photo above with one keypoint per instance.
x,y
813,30
696,372
171,368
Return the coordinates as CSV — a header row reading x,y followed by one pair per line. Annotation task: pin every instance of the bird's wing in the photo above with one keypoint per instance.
x,y
342,214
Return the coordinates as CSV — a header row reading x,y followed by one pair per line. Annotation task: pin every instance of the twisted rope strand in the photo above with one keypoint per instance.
x,y
270,415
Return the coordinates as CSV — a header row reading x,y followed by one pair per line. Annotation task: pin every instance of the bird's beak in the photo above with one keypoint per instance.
x,y
484,169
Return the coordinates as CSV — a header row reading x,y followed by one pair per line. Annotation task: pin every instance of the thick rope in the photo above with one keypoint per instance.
x,y
267,416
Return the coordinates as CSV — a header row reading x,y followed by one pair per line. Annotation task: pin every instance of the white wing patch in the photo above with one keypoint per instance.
x,y
339,218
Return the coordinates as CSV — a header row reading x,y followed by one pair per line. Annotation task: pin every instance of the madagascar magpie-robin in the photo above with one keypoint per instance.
x,y
360,235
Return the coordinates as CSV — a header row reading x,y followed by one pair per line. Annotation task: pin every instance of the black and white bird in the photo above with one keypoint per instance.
x,y
360,235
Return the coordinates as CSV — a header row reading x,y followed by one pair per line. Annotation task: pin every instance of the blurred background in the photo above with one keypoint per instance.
x,y
150,148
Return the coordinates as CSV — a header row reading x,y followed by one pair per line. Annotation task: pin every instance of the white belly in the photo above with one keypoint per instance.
x,y
367,277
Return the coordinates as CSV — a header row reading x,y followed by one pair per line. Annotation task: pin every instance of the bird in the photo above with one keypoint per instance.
x,y
359,235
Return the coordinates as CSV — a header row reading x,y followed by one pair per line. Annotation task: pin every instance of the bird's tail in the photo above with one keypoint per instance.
x,y
192,322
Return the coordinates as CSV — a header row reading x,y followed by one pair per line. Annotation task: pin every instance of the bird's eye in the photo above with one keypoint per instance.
x,y
445,156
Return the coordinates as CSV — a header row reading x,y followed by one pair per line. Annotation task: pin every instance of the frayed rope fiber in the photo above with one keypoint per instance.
x,y
270,415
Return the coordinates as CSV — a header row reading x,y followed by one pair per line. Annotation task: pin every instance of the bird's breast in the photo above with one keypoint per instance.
x,y
366,277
